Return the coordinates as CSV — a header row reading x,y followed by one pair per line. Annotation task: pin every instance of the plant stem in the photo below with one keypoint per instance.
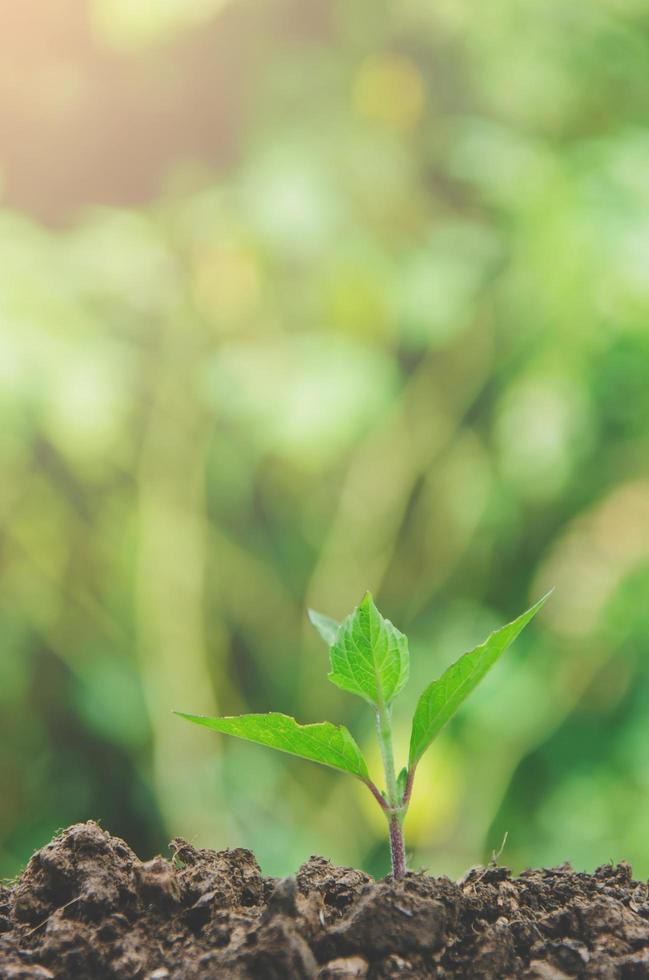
x,y
377,794
408,791
395,810
397,848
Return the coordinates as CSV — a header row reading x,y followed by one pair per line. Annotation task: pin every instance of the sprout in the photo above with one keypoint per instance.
x,y
369,657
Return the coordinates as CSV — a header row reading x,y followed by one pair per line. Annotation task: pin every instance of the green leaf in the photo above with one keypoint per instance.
x,y
443,697
369,656
331,745
325,625
402,782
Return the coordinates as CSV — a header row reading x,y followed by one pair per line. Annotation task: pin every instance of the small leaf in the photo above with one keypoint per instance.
x,y
369,656
325,625
443,697
402,783
331,745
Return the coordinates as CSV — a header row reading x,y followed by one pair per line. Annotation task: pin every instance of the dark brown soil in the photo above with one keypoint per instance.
x,y
87,907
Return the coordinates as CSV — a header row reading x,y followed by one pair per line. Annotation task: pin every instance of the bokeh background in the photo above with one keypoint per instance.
x,y
298,299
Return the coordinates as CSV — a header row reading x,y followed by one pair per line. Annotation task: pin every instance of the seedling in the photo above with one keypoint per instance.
x,y
369,657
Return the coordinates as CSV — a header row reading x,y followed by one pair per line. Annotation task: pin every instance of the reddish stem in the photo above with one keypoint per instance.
x,y
408,790
397,849
376,793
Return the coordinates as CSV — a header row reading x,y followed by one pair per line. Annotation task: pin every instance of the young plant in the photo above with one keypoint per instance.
x,y
369,657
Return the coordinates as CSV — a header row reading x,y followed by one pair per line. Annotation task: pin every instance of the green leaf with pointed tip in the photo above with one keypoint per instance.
x,y
443,697
331,745
369,656
325,625
402,783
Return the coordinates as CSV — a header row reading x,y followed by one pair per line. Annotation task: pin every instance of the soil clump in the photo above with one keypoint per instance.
x,y
87,907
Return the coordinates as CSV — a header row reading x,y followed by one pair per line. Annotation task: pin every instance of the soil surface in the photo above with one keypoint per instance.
x,y
87,907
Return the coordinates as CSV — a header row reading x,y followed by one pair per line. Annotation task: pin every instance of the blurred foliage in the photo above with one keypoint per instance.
x,y
402,343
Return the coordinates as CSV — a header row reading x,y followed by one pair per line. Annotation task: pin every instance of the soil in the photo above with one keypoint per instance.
x,y
87,907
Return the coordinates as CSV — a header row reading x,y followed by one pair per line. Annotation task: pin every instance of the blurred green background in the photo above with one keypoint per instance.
x,y
298,299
